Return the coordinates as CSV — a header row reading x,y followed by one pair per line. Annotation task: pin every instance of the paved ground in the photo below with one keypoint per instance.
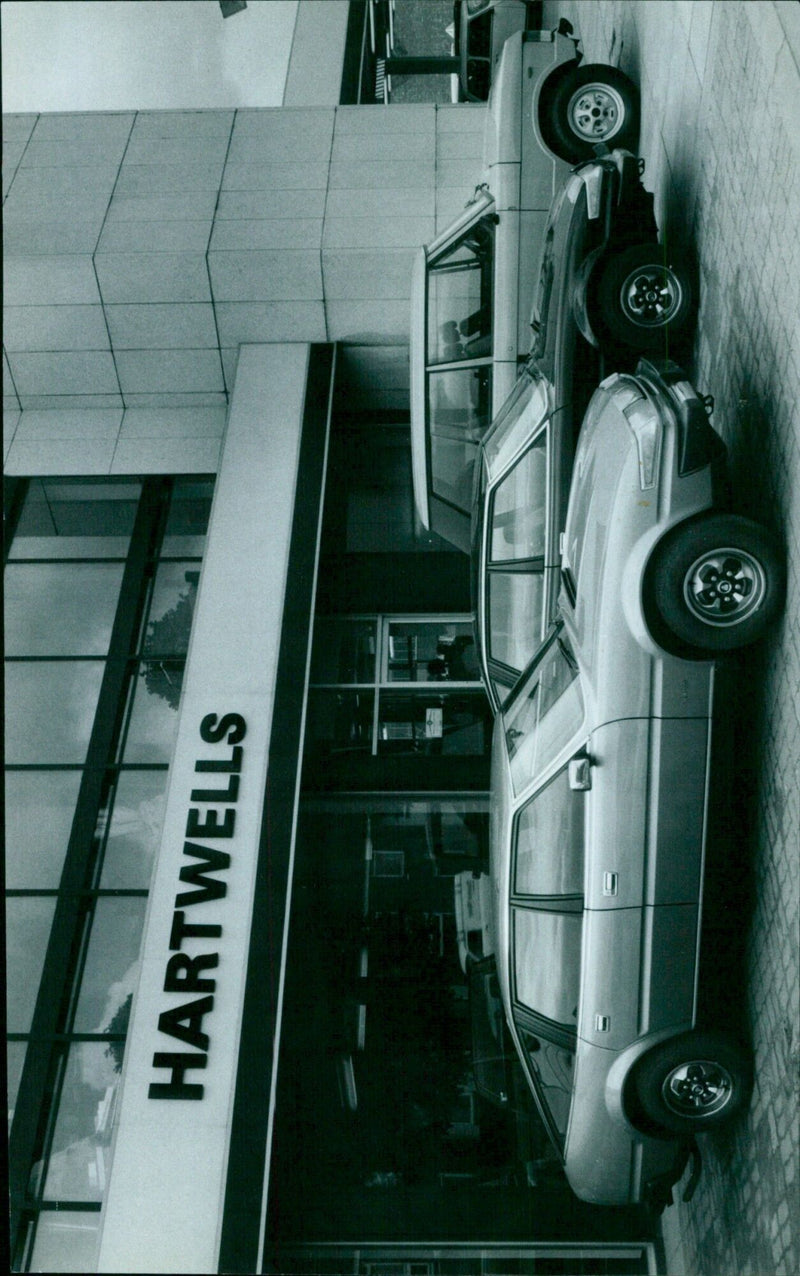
x,y
720,92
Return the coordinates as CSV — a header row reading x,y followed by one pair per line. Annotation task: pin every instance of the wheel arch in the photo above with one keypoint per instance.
x,y
620,1095
545,88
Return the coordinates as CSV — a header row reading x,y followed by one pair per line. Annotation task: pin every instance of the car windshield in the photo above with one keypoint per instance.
x,y
545,715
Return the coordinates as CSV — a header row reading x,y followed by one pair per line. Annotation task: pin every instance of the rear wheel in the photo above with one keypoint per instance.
x,y
643,293
694,1082
590,105
718,582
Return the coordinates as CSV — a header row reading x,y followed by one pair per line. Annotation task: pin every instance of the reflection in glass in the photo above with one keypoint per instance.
x,y
187,522
54,609
39,810
66,1241
460,298
156,692
344,650
77,508
80,1155
553,1067
547,963
15,1060
112,963
432,723
459,407
518,509
516,602
529,397
28,921
35,733
549,841
134,830
171,609
431,651
340,721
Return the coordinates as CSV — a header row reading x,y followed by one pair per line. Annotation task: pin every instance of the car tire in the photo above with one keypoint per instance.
x,y
590,105
694,1082
718,582
642,294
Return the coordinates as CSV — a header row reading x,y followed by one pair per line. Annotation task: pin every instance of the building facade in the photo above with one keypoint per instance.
x,y
246,742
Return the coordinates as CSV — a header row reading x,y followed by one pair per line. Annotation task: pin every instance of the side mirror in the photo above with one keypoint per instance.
x,y
580,774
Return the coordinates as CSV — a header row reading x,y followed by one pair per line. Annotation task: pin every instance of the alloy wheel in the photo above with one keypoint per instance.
x,y
724,586
697,1089
596,112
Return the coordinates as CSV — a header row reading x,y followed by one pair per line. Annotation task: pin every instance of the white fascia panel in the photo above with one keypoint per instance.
x,y
166,1189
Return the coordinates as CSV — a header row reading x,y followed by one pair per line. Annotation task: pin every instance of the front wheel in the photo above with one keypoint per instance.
x,y
643,293
694,1082
590,105
718,582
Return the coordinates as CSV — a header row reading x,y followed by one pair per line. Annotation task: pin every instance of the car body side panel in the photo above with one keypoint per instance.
x,y
678,764
542,172
616,812
646,812
669,968
609,1006
531,236
502,138
606,1162
419,431
506,272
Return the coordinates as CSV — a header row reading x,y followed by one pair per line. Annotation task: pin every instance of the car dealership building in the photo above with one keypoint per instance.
x,y
238,786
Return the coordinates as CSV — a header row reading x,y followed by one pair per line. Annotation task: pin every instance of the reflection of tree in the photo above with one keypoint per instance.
x,y
119,1023
170,634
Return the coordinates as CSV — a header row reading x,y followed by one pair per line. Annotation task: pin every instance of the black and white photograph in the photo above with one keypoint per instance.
x,y
401,508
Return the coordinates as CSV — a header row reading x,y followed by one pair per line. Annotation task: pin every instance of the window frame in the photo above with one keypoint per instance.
x,y
52,1034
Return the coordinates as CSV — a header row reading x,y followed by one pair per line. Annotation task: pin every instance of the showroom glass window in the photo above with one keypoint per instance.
x,y
100,583
397,685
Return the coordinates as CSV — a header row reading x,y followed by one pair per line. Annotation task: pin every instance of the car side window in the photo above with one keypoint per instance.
x,y
545,715
460,298
548,853
515,585
546,951
519,508
459,407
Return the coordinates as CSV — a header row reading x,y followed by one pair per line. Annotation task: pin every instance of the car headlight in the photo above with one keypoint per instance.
x,y
643,420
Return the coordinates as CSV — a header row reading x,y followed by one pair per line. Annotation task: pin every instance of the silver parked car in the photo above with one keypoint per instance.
x,y
599,791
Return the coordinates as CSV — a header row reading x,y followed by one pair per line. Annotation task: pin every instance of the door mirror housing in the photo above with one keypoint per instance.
x,y
580,774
